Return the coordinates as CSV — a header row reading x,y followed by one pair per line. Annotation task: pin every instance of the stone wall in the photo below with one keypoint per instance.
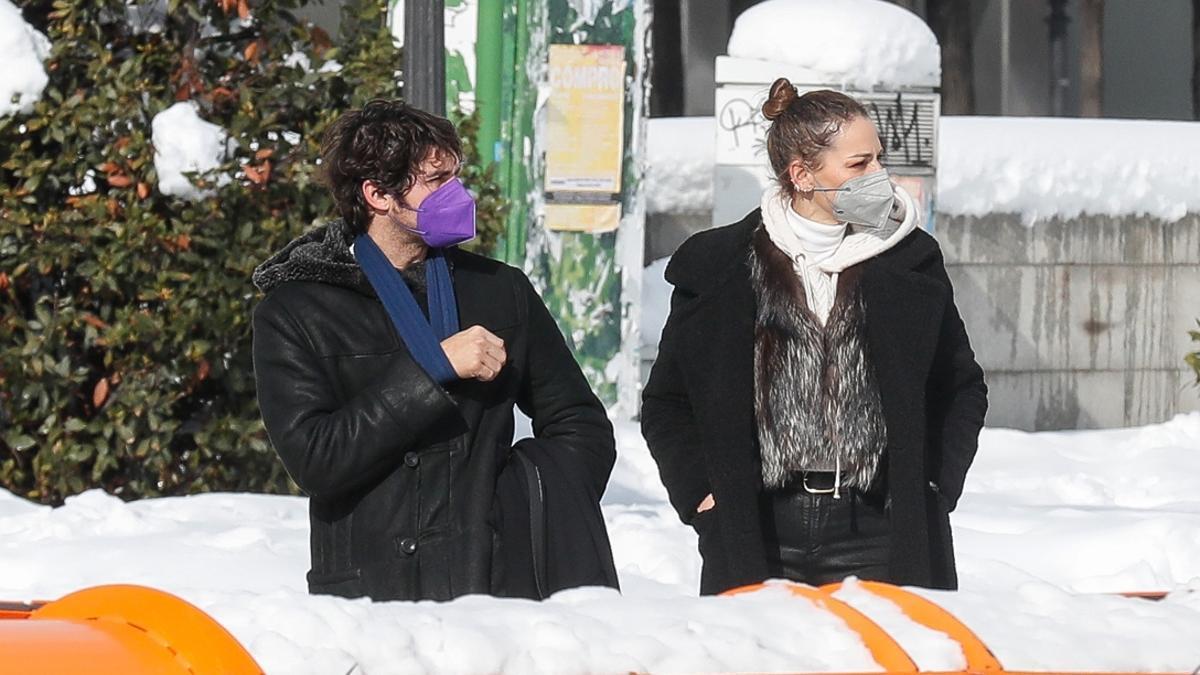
x,y
1080,323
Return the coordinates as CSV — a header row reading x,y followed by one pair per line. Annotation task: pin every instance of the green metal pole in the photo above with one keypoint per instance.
x,y
517,131
489,49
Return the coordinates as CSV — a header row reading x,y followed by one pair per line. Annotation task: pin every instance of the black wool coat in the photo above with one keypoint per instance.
x,y
698,405
402,473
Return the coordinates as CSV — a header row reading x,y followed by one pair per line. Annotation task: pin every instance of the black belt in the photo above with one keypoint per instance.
x,y
818,482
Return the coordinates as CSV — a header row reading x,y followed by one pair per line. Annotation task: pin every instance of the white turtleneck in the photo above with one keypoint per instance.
x,y
817,240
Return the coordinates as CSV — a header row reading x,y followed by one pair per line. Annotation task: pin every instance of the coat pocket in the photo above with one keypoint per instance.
x,y
708,531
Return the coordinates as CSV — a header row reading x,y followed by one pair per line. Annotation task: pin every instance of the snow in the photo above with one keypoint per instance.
x,y
183,142
299,59
22,51
150,17
1049,524
680,152
656,302
1056,167
588,10
855,43
1039,168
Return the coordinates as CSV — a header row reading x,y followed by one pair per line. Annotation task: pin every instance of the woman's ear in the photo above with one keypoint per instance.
x,y
800,177
376,198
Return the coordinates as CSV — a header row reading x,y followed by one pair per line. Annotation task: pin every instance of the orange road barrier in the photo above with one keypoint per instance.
x,y
117,629
883,647
891,656
979,658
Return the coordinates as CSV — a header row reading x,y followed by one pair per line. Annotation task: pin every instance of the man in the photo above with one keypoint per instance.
x,y
388,363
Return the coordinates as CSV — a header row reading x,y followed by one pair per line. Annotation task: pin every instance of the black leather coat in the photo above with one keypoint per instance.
x,y
401,472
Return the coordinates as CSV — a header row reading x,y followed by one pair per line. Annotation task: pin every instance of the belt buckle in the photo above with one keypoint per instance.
x,y
812,491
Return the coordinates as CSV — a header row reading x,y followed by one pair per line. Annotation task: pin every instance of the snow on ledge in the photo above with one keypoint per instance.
x,y
854,43
22,50
1043,167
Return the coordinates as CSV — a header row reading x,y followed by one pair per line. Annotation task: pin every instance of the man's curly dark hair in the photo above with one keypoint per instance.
x,y
384,142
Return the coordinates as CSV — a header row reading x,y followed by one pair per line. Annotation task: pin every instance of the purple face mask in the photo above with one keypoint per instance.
x,y
447,216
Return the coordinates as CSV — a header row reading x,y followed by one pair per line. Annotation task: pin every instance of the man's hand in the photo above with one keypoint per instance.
x,y
707,504
475,354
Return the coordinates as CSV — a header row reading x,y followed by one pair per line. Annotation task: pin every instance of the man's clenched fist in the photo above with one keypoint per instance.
x,y
475,354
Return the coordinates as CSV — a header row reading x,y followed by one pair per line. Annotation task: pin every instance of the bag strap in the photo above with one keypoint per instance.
x,y
537,520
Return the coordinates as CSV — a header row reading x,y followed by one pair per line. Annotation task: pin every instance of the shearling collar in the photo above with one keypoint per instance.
x,y
321,255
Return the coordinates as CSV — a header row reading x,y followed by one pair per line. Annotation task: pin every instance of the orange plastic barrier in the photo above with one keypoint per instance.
x,y
884,649
117,629
889,654
979,658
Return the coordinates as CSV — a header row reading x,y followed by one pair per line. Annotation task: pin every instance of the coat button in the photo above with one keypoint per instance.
x,y
409,546
412,459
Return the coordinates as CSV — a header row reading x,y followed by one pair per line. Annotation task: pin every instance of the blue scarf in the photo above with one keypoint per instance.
x,y
422,337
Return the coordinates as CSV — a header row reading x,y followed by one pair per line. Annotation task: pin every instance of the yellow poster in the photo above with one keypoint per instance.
x,y
594,218
585,118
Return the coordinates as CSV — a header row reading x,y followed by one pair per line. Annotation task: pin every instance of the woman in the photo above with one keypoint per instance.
x,y
815,404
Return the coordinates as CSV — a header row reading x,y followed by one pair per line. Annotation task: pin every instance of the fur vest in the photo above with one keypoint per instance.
x,y
817,402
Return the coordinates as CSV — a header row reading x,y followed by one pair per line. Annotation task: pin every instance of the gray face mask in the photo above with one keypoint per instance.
x,y
866,200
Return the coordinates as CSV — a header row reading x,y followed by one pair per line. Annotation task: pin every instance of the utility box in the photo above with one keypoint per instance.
x,y
906,116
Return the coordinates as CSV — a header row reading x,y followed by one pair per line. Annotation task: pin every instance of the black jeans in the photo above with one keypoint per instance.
x,y
816,539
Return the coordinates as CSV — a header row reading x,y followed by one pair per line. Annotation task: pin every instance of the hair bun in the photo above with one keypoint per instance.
x,y
782,95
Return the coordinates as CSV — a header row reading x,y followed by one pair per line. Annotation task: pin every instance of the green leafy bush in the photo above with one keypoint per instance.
x,y
124,312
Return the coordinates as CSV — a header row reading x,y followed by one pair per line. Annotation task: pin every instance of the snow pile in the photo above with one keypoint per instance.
x,y
1055,167
857,43
183,142
680,152
22,50
1049,521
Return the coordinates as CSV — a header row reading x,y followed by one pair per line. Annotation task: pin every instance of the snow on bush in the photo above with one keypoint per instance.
x,y
183,142
858,43
22,50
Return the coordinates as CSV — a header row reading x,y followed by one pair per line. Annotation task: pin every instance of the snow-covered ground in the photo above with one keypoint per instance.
x,y
1050,523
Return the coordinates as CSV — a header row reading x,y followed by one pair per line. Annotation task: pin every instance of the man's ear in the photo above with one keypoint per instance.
x,y
376,198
